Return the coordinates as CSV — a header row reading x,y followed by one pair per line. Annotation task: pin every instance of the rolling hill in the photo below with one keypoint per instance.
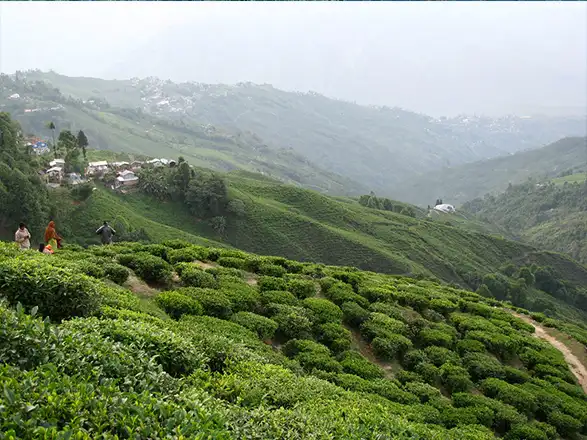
x,y
459,184
378,147
133,131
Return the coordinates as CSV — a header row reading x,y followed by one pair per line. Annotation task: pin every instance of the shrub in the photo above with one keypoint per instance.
x,y
423,391
186,254
147,266
116,272
430,373
277,297
58,293
465,346
323,310
354,314
429,336
302,288
311,355
89,268
271,283
440,355
334,336
482,366
176,244
236,263
390,346
214,302
158,250
176,305
243,297
455,378
519,398
513,375
565,424
442,306
292,322
392,392
192,276
354,363
381,325
272,270
526,431
340,293
218,272
264,327
414,357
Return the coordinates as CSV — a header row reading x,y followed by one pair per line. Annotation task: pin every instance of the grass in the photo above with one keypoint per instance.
x,y
573,178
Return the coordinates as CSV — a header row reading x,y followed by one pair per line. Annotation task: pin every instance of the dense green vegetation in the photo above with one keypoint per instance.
x,y
241,346
457,185
547,215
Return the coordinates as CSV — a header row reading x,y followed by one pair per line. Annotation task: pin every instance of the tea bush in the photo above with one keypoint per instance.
x,y
353,362
271,283
390,346
214,302
292,321
334,336
116,272
277,297
264,327
301,288
57,293
176,305
323,310
354,314
272,270
186,254
192,276
235,263
147,266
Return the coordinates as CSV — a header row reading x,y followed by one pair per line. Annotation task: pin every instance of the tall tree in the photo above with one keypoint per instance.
x,y
82,142
51,126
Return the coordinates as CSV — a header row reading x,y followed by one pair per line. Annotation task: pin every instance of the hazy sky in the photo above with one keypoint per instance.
x,y
439,58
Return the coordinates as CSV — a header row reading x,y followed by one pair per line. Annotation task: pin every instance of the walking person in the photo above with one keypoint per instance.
x,y
106,232
52,238
23,237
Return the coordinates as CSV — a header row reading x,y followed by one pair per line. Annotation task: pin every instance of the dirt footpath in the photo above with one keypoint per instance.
x,y
576,367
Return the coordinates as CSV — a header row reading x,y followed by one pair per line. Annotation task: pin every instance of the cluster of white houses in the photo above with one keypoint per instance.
x,y
125,172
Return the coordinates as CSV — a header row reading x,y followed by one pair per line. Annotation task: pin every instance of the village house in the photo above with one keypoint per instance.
x,y
54,174
125,179
97,168
136,165
119,166
57,163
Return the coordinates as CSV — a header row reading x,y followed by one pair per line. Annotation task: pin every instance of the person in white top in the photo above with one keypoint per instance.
x,y
23,237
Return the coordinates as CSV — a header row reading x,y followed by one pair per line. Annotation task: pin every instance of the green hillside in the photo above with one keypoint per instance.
x,y
136,132
549,215
230,345
459,184
379,147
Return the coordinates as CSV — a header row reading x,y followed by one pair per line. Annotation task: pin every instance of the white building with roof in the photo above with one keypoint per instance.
x,y
97,168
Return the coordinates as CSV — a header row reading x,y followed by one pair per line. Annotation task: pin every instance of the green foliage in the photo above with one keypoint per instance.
x,y
192,276
148,267
354,314
301,288
264,327
177,305
277,297
214,302
272,270
57,293
390,346
334,336
323,310
455,378
271,283
292,322
187,254
115,272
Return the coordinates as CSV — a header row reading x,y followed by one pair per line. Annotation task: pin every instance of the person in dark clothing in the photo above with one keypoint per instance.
x,y
106,232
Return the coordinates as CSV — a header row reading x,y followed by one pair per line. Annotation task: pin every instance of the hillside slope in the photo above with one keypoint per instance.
x,y
136,132
232,345
379,147
547,215
457,185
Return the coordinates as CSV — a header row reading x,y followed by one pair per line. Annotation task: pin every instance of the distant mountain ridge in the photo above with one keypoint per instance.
x,y
379,147
466,182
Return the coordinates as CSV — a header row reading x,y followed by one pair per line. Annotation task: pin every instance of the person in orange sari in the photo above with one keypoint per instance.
x,y
51,236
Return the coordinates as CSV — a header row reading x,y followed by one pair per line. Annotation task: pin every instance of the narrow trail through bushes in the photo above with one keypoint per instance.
x,y
575,365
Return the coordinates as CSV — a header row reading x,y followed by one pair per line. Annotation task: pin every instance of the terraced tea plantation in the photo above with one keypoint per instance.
x,y
179,341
